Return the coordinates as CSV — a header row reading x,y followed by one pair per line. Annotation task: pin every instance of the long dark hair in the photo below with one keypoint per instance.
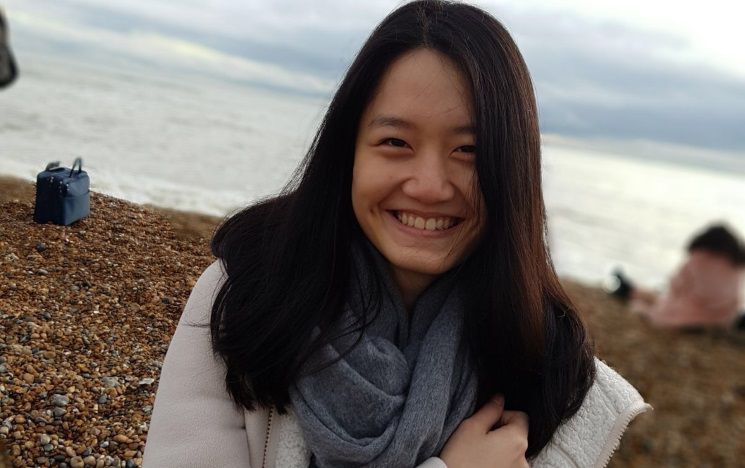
x,y
287,257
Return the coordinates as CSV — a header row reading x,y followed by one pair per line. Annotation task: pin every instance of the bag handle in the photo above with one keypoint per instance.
x,y
78,162
53,165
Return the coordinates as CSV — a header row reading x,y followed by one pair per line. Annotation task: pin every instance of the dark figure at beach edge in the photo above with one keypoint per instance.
x,y
8,69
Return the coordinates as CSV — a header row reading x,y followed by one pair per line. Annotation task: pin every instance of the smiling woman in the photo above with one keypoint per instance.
x,y
396,306
414,185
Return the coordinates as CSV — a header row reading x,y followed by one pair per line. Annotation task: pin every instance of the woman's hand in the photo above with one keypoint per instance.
x,y
474,444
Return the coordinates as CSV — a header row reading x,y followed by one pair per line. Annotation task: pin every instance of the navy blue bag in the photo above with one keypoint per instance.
x,y
62,194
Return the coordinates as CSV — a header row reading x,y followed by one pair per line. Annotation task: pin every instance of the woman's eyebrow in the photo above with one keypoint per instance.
x,y
465,129
390,121
397,122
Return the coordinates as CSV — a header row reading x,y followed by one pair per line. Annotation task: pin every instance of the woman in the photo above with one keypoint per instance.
x,y
706,291
396,306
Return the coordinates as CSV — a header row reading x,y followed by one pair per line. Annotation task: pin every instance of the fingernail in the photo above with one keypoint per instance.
x,y
498,399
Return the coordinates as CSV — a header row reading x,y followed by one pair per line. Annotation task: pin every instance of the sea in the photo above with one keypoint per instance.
x,y
211,146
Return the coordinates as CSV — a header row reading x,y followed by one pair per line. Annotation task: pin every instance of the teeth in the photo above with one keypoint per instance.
x,y
429,224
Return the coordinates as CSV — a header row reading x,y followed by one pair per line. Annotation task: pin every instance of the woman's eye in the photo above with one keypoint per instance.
x,y
467,149
395,142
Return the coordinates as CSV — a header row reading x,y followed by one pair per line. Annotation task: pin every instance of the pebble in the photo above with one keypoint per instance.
x,y
146,381
59,400
90,460
728,399
110,382
28,378
41,246
44,439
58,412
77,462
103,399
48,447
122,439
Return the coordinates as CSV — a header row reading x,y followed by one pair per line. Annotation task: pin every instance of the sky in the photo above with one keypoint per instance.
x,y
660,76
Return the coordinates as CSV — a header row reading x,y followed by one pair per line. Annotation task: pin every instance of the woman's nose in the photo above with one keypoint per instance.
x,y
429,180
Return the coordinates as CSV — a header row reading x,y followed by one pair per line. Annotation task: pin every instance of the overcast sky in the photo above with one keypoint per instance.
x,y
671,72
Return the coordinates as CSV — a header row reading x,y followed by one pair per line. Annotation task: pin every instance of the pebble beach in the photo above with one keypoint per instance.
x,y
87,312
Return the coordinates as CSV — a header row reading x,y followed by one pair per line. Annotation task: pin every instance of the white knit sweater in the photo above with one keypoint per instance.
x,y
196,424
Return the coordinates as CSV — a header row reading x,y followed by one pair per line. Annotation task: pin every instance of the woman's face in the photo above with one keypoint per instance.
x,y
414,168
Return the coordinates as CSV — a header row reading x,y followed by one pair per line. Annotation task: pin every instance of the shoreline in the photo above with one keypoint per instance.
x,y
88,310
187,224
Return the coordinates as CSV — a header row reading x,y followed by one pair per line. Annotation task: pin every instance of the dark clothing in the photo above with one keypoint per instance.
x,y
8,70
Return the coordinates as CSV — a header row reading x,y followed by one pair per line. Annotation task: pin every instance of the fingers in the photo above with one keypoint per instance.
x,y
513,432
518,419
489,414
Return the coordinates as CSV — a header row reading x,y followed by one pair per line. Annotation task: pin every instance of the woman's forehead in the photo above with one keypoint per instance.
x,y
421,87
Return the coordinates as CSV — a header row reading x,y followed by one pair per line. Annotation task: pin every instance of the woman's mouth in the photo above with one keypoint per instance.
x,y
439,223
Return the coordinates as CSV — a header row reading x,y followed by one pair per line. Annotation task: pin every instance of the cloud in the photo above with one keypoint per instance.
x,y
169,52
596,75
319,29
613,81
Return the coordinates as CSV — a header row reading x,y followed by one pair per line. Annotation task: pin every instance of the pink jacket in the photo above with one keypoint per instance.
x,y
706,290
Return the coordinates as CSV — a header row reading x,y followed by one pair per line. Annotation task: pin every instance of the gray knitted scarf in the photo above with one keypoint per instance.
x,y
396,398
